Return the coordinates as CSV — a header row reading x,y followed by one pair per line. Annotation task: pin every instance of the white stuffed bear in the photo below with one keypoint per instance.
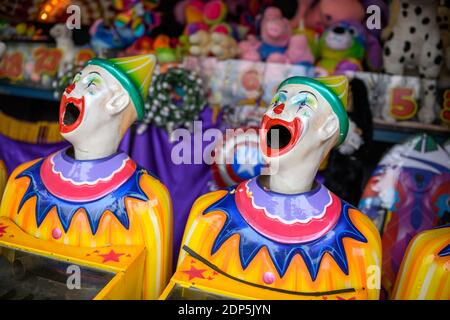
x,y
64,42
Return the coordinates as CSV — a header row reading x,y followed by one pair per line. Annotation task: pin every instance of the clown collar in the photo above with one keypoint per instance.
x,y
93,185
310,224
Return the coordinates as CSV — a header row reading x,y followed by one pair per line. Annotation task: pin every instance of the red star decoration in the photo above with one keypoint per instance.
x,y
111,256
195,273
210,278
2,230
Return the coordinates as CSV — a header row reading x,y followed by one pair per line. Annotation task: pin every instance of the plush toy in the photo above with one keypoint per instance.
x,y
275,35
299,51
343,46
321,14
137,15
64,42
104,37
213,36
223,46
142,45
200,43
248,49
415,42
193,16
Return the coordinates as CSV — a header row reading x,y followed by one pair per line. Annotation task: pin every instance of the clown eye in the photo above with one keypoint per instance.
x,y
304,99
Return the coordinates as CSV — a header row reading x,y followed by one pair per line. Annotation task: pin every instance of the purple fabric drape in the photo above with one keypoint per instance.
x,y
185,182
13,153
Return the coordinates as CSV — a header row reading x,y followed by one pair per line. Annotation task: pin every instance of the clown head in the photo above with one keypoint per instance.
x,y
305,120
102,102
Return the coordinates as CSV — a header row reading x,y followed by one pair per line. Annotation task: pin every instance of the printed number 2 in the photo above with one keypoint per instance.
x,y
403,106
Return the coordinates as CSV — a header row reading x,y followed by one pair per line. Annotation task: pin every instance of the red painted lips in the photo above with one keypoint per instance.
x,y
278,137
71,111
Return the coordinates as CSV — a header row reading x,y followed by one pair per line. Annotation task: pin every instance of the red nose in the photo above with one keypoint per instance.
x,y
279,108
70,88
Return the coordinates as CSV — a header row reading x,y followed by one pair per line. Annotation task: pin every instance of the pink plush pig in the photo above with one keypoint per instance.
x,y
275,33
299,50
248,49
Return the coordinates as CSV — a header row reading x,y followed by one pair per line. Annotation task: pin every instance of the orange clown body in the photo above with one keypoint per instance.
x,y
226,254
129,219
425,270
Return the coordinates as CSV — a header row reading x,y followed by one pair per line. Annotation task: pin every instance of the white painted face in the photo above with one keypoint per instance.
x,y
91,107
299,121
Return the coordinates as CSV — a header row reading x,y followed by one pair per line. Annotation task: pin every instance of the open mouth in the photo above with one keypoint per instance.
x,y
71,112
278,136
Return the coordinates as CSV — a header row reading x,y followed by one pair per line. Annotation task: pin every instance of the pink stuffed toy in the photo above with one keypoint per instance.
x,y
275,35
299,50
318,15
248,49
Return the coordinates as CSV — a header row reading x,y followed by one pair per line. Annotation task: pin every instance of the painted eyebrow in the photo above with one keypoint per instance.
x,y
284,91
306,92
95,72
309,93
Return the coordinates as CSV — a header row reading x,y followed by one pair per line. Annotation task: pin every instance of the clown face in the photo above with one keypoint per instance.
x,y
90,104
299,120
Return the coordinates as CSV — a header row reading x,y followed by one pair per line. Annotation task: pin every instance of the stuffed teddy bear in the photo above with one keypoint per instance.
x,y
216,38
414,41
199,43
223,46
343,47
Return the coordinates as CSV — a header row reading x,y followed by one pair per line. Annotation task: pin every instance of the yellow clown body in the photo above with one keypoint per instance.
x,y
289,238
425,270
89,204
149,228
222,273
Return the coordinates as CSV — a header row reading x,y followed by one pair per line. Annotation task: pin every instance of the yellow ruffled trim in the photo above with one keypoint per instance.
x,y
31,132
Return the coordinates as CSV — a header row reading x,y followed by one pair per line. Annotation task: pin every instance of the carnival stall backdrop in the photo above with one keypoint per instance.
x,y
225,149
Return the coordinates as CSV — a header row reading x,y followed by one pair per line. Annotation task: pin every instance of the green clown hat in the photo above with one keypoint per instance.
x,y
335,90
134,74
